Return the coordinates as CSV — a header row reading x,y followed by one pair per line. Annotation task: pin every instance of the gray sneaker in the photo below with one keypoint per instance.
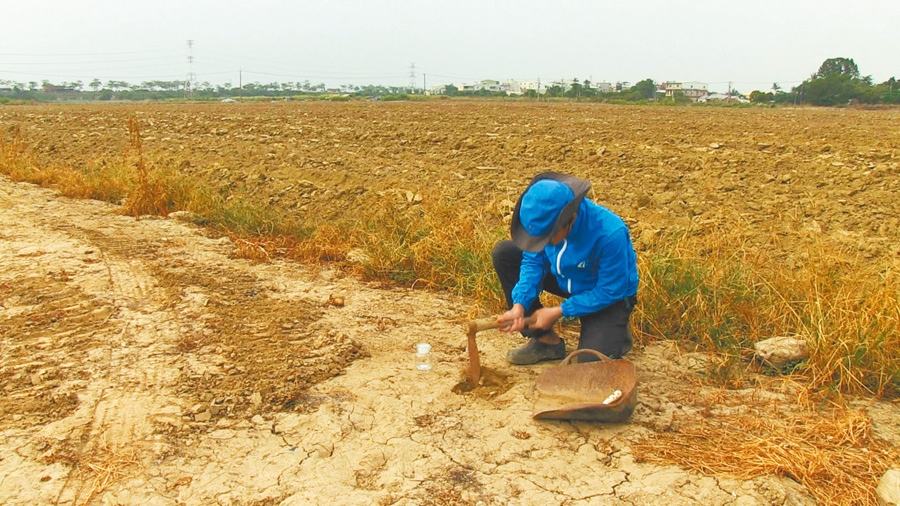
x,y
535,351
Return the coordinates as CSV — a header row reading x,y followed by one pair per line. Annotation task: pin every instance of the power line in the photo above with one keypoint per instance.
x,y
90,62
89,54
114,76
229,57
349,78
310,72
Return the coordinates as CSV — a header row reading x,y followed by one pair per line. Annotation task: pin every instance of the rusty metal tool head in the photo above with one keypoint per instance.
x,y
472,328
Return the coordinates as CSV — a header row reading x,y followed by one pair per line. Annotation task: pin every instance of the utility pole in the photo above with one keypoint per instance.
x,y
424,83
191,77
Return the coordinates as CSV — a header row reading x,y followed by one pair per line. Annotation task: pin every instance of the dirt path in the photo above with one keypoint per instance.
x,y
143,364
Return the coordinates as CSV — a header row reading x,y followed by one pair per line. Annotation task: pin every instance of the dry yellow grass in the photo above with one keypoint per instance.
x,y
109,467
835,458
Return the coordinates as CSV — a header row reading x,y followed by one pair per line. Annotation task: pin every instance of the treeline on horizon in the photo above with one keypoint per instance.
x,y
837,82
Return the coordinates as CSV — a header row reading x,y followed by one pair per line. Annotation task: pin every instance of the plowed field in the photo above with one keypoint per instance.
x,y
785,176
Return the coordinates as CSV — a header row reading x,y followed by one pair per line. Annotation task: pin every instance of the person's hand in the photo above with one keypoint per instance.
x,y
512,320
545,317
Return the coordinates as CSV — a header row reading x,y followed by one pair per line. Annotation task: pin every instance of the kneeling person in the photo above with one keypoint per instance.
x,y
567,245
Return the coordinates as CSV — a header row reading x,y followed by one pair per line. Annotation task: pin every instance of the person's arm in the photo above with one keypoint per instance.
x,y
613,271
545,317
531,274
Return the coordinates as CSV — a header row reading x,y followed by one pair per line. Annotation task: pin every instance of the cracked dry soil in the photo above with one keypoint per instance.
x,y
142,363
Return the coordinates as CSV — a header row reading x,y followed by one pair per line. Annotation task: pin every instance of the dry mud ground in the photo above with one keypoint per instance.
x,y
143,364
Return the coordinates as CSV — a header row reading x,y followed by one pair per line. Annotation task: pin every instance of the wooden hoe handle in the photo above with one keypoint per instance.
x,y
473,328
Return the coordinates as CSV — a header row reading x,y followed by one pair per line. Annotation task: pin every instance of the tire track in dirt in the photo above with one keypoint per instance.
x,y
75,337
124,339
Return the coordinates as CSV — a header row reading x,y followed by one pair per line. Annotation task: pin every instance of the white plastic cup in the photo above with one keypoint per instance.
x,y
423,357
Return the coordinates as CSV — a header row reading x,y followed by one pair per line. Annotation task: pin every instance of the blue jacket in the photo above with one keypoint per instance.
x,y
595,263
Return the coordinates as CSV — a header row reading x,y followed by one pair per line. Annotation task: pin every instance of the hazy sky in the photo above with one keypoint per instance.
x,y
750,43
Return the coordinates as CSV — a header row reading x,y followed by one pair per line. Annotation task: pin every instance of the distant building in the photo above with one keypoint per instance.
x,y
693,90
512,87
602,87
486,85
489,85
723,97
537,86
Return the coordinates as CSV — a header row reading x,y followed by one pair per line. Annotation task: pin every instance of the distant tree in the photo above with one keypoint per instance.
x,y
832,90
838,66
118,85
759,97
783,97
32,86
889,91
837,82
555,90
96,84
575,89
645,89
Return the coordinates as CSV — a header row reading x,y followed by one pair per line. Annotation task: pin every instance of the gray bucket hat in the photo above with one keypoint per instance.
x,y
544,208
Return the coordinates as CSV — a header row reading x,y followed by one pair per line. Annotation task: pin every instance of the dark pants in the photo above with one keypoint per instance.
x,y
607,331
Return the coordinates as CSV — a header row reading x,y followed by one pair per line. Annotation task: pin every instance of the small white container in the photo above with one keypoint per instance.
x,y
423,357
